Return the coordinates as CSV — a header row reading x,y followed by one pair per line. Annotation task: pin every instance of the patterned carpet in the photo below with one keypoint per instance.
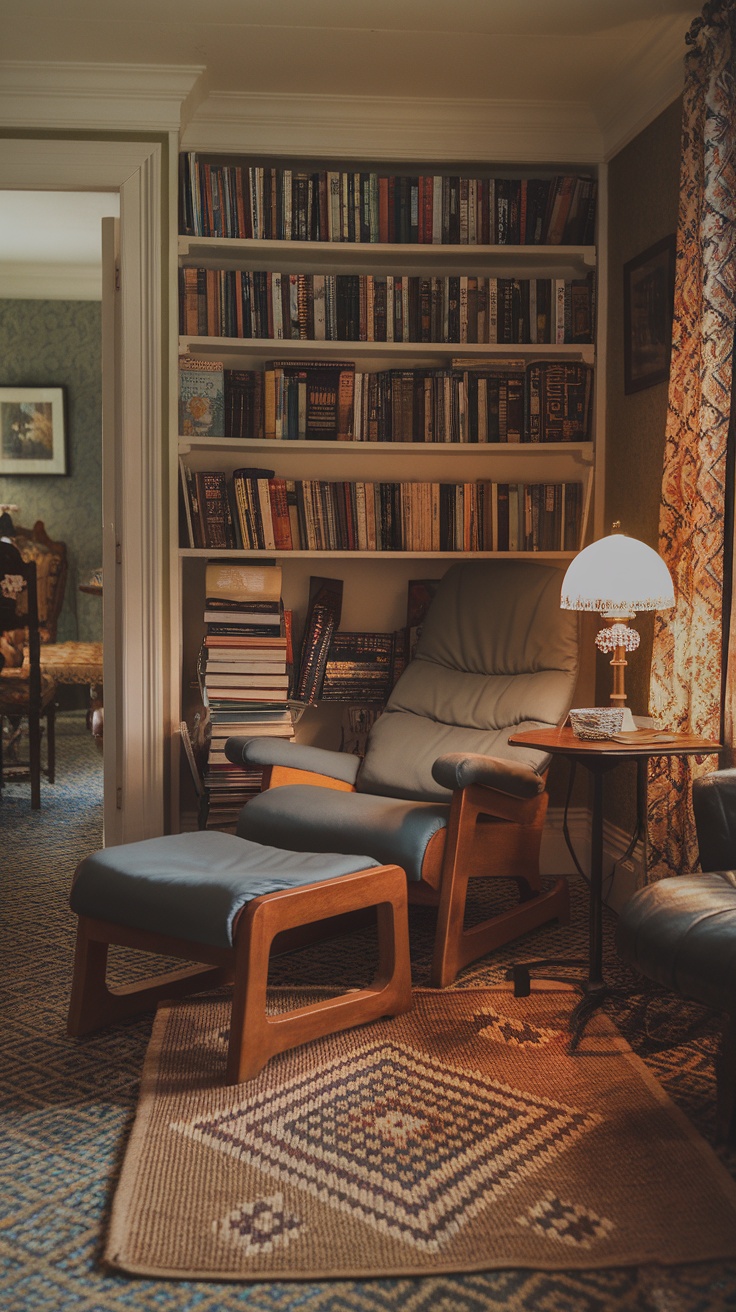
x,y
67,1107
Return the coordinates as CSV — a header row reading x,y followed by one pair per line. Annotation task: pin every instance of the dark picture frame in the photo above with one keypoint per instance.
x,y
32,430
649,288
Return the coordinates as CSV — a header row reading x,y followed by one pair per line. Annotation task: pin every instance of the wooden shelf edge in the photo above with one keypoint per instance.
x,y
583,450
189,344
195,553
410,251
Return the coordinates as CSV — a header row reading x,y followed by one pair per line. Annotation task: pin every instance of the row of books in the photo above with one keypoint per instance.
x,y
244,676
235,198
544,401
277,514
351,307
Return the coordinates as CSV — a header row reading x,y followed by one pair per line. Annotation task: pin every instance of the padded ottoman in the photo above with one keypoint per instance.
x,y
214,898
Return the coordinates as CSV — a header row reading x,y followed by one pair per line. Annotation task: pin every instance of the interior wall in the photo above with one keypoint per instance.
x,y
51,344
643,185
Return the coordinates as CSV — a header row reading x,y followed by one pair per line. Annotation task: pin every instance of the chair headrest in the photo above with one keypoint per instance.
x,y
500,617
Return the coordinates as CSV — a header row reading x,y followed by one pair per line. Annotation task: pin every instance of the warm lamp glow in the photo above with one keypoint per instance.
x,y
617,576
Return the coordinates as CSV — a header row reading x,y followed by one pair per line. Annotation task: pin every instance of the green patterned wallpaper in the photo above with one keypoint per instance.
x,y
57,343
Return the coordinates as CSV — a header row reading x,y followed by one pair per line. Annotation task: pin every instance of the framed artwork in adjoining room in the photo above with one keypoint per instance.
x,y
32,430
649,286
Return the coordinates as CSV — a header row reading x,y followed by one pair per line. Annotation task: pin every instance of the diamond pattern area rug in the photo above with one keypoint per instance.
x,y
459,1137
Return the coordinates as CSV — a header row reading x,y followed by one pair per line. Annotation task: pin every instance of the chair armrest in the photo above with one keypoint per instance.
x,y
297,756
458,770
714,805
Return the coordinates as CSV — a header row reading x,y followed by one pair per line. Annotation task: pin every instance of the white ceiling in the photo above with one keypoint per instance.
x,y
539,49
478,73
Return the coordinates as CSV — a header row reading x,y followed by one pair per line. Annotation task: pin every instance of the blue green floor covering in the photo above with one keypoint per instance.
x,y
68,1106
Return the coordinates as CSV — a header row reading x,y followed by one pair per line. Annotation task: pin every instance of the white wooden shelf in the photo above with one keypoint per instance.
x,y
379,257
582,451
209,553
234,349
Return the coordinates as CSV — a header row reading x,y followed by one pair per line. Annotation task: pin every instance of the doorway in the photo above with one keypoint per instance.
x,y
50,335
134,497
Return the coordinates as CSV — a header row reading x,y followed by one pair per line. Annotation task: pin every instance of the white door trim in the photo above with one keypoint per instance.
x,y
135,169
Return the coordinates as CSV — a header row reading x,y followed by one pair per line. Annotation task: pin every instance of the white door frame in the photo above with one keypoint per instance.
x,y
136,669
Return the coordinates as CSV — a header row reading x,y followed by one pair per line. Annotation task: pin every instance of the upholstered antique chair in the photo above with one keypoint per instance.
x,y
25,693
63,662
440,792
50,559
681,931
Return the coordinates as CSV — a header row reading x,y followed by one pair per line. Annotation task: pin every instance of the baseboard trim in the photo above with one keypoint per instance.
x,y
621,878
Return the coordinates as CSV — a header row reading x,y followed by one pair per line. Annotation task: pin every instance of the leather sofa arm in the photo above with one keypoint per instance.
x,y
458,770
714,805
297,756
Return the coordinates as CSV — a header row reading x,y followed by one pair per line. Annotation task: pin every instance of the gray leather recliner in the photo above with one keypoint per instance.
x,y
681,931
440,789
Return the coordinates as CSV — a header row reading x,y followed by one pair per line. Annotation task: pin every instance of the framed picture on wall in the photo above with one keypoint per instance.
x,y
649,285
32,430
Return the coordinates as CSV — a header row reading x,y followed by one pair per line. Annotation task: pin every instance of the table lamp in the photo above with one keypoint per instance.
x,y
617,576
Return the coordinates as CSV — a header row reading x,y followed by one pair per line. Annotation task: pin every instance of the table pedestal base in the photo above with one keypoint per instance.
x,y
593,993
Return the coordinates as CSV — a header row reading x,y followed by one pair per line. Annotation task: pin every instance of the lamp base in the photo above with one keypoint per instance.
x,y
619,639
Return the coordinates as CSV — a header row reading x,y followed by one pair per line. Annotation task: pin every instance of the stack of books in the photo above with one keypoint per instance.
x,y
245,676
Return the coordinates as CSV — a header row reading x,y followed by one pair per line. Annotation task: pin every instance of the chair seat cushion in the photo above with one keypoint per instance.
x,y
15,689
681,932
192,886
300,816
73,662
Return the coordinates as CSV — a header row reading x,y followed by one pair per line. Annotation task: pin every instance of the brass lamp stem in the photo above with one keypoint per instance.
x,y
618,665
619,639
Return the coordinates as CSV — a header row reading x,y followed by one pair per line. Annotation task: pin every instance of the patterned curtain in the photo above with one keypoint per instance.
x,y
687,661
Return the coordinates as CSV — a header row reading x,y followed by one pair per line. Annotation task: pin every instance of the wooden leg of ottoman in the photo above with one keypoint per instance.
x,y
256,1036
94,1004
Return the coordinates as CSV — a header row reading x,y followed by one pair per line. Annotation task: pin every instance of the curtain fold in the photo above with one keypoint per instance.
x,y
688,654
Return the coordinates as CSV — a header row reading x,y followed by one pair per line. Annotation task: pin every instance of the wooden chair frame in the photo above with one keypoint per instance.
x,y
276,918
490,834
23,539
34,710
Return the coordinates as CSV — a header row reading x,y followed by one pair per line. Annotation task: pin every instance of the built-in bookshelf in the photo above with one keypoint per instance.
x,y
434,302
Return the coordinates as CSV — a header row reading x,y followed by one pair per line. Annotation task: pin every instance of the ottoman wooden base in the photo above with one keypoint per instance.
x,y
255,1036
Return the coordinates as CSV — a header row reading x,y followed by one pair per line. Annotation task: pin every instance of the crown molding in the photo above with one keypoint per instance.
x,y
391,128
106,97
31,281
651,80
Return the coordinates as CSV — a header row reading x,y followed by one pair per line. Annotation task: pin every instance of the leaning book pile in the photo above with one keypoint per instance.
x,y
245,676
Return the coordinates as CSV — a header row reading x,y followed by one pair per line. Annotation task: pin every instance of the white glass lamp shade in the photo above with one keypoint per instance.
x,y
617,575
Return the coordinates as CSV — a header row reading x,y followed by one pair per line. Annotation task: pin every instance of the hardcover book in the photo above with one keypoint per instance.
x,y
230,582
201,398
323,618
217,529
